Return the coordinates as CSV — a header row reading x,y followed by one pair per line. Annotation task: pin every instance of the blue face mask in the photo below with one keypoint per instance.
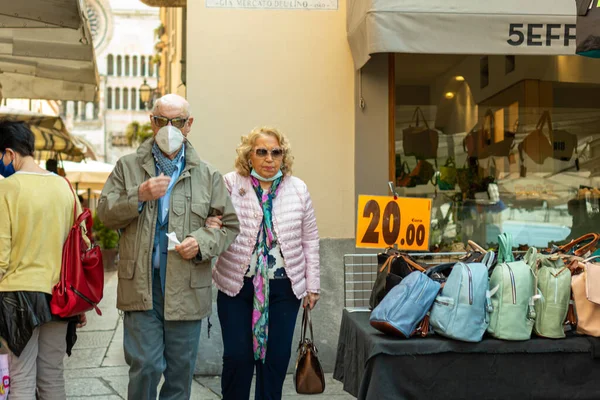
x,y
6,170
255,174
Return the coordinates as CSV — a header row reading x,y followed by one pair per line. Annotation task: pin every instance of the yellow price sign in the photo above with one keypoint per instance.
x,y
383,222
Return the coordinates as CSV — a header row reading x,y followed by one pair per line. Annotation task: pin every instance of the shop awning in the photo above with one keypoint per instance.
x,y
46,51
533,27
52,140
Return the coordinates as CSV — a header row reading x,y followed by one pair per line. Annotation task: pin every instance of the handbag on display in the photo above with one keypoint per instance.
x,y
403,177
308,374
537,145
461,311
513,290
588,28
585,289
394,268
554,286
564,143
448,177
479,142
420,140
422,174
583,246
81,283
406,306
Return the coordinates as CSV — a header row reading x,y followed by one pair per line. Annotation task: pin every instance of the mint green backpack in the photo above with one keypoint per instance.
x,y
512,290
554,288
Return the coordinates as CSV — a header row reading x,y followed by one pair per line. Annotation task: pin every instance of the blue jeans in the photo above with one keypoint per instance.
x,y
235,315
154,347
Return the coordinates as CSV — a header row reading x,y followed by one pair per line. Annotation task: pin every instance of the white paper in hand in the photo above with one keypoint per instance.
x,y
173,241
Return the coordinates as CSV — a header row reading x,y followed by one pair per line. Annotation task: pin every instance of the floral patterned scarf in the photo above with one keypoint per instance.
x,y
265,239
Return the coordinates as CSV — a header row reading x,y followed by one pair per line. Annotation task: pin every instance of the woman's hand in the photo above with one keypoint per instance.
x,y
214,222
311,299
82,320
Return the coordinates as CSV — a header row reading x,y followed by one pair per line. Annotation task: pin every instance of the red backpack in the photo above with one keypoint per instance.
x,y
82,273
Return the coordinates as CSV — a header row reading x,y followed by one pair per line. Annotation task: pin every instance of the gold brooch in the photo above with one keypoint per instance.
x,y
242,192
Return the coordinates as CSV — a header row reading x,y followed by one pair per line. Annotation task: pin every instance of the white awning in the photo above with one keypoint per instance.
x,y
46,50
533,27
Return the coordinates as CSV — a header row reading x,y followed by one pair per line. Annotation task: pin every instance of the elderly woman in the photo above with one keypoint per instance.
x,y
36,213
267,271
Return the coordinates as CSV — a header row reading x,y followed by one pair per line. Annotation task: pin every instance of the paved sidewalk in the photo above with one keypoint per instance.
x,y
97,367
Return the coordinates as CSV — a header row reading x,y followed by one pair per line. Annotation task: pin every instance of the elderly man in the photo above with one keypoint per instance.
x,y
165,191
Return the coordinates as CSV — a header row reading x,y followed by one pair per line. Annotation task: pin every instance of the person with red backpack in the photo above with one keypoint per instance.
x,y
32,233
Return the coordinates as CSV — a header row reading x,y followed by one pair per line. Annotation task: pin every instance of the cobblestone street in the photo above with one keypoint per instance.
x,y
97,367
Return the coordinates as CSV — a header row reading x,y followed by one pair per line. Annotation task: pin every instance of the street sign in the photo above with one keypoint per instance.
x,y
383,222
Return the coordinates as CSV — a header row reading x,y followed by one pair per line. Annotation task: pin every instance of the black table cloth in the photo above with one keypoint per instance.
x,y
373,366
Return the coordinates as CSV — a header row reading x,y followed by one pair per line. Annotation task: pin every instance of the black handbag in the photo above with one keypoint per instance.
x,y
393,268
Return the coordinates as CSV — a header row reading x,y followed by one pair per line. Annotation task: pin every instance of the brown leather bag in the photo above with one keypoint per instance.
x,y
536,145
308,376
479,143
585,290
420,141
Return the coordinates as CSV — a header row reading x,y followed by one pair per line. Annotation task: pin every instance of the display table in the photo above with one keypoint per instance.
x,y
374,366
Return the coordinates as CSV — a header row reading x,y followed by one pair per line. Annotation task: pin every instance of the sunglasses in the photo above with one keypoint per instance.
x,y
276,154
164,121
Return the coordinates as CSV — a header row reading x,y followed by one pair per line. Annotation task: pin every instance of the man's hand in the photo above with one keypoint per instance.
x,y
214,222
311,300
154,188
188,248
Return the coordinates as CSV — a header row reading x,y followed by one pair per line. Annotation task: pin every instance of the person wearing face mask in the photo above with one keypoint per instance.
x,y
32,234
278,251
165,291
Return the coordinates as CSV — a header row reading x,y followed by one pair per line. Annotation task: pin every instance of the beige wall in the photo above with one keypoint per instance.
x,y
171,54
290,69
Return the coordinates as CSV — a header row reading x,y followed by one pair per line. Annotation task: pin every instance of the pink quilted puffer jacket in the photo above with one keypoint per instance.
x,y
296,229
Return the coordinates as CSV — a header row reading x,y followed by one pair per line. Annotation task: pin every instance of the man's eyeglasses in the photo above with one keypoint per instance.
x,y
276,154
164,121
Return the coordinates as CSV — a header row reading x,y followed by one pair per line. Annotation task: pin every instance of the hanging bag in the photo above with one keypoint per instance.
x,y
308,374
81,283
448,175
536,145
419,140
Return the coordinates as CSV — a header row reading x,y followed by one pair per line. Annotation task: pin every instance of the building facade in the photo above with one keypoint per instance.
x,y
125,34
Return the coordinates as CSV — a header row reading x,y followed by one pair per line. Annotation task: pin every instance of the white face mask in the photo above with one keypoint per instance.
x,y
169,139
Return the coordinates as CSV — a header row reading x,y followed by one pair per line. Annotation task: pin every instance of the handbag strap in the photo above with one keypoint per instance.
x,y
545,119
488,259
411,263
505,253
592,237
306,321
74,202
476,247
388,263
415,117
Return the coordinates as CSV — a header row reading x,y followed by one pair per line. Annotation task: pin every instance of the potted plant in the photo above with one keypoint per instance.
x,y
108,239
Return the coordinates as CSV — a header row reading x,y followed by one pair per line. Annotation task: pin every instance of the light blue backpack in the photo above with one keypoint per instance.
x,y
403,308
462,310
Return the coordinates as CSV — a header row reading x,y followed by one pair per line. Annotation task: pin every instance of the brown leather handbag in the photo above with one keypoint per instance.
x,y
536,145
420,141
308,376
585,290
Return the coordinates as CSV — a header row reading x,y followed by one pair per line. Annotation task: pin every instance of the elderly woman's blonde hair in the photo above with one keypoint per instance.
x,y
242,161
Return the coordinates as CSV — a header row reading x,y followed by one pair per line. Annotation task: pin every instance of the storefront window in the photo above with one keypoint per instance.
x,y
501,144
